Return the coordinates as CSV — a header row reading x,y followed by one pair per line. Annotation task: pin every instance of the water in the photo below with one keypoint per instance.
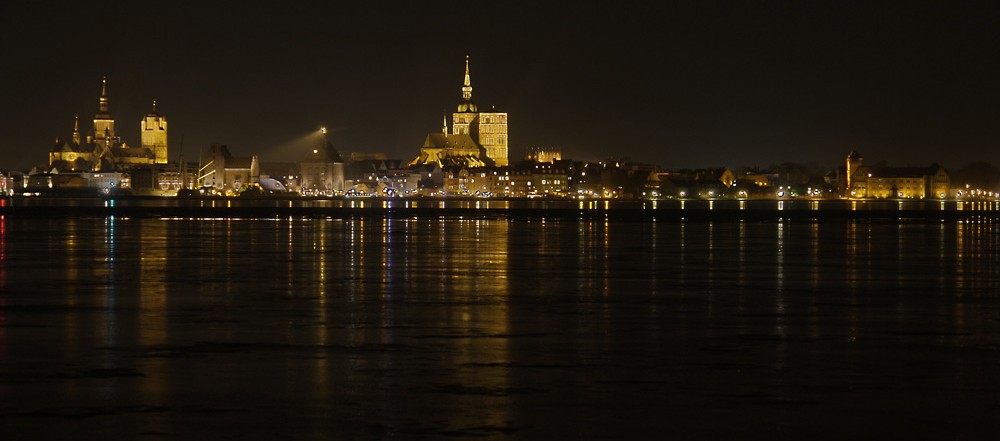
x,y
440,327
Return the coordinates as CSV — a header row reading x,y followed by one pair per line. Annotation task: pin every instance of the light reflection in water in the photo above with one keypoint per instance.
x,y
481,322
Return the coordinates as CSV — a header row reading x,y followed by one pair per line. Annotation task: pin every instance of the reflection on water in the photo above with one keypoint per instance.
x,y
412,327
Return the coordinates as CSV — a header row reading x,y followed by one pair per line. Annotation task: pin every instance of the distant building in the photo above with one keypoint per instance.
x,y
103,149
154,135
74,155
477,139
446,150
227,173
322,171
488,129
543,154
863,181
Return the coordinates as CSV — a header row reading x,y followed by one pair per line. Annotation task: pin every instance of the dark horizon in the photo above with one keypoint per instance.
x,y
695,85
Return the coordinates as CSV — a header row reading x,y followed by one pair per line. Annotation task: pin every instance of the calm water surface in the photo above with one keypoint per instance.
x,y
299,328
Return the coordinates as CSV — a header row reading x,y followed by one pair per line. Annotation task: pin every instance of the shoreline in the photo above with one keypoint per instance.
x,y
511,209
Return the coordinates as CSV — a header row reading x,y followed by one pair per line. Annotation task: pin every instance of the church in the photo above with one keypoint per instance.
x,y
477,139
103,149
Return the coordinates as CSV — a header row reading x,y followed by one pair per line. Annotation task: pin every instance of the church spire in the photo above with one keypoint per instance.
x,y
76,129
467,85
444,124
103,102
466,105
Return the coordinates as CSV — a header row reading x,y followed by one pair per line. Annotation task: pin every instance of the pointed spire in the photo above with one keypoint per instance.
x,y
154,106
103,102
76,129
444,124
467,85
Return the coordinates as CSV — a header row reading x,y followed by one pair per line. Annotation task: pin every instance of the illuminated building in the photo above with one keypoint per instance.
x,y
154,135
895,182
103,134
322,170
488,129
445,150
227,173
74,155
543,154
853,163
540,178
102,149
477,138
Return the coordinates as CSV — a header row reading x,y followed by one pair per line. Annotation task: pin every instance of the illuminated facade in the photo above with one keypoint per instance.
x,y
227,173
853,163
895,182
74,155
543,154
322,170
488,129
446,150
103,134
154,135
103,149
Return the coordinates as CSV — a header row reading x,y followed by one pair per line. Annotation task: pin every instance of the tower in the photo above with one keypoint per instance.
x,y
154,135
76,129
853,163
488,129
104,124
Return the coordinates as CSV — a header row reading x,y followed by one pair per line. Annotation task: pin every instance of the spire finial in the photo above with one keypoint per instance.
x,y
444,124
103,101
467,81
467,85
76,128
154,105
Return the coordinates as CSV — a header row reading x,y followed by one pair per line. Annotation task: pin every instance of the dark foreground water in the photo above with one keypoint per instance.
x,y
116,328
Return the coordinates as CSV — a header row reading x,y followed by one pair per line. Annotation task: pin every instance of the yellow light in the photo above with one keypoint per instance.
x,y
322,129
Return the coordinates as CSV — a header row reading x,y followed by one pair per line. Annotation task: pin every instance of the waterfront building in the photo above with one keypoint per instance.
x,y
226,173
396,179
322,171
862,181
106,182
529,178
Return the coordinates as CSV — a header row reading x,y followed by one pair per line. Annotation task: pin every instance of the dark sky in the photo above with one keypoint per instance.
x,y
685,84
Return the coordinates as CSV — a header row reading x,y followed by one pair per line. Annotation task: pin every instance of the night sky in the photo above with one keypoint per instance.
x,y
693,84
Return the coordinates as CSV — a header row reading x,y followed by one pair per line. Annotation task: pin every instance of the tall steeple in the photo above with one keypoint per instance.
x,y
76,129
444,124
467,85
103,102
467,105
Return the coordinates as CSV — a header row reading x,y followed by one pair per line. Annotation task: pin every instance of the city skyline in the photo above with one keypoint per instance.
x,y
629,88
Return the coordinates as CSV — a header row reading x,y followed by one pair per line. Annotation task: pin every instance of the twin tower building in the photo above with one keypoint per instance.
x,y
103,149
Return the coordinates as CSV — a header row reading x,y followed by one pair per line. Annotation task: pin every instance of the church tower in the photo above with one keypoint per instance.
x,y
488,129
154,135
467,111
104,124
